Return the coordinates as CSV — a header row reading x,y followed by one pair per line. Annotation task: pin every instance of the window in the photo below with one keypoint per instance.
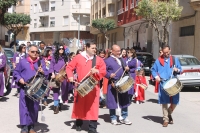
x,y
66,20
53,3
21,2
187,31
37,36
35,8
35,25
52,21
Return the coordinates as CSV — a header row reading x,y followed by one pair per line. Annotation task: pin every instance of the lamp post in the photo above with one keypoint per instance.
x,y
78,29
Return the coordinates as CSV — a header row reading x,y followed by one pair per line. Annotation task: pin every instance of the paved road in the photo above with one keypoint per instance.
x,y
146,118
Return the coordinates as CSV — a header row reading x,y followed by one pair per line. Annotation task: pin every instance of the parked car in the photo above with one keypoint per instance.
x,y
9,53
190,75
147,60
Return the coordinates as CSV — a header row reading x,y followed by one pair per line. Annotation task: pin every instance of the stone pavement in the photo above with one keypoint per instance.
x,y
146,118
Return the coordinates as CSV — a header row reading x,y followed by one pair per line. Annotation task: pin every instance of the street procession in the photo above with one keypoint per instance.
x,y
128,74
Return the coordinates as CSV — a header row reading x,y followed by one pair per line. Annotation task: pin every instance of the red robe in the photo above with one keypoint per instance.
x,y
140,91
105,85
86,108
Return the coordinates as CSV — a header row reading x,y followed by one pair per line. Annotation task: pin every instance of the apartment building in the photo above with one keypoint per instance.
x,y
60,21
185,33
106,9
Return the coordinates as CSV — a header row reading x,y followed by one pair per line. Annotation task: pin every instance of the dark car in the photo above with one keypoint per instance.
x,y
9,53
147,60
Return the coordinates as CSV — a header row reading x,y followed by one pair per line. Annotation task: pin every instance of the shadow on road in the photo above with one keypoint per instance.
x,y
105,117
153,100
39,127
43,107
63,107
73,126
4,99
156,119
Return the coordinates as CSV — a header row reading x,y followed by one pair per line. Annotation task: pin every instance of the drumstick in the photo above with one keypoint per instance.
x,y
86,75
122,75
117,70
36,74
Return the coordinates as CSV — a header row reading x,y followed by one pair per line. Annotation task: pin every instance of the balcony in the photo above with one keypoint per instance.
x,y
137,1
132,5
44,10
195,4
44,25
76,6
126,8
120,11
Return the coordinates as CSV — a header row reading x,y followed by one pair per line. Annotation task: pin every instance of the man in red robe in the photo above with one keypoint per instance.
x,y
86,108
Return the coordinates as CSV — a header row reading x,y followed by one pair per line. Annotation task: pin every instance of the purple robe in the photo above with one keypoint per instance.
x,y
2,78
55,67
111,100
14,83
28,109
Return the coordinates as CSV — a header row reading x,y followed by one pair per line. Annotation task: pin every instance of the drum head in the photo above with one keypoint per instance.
x,y
124,79
170,83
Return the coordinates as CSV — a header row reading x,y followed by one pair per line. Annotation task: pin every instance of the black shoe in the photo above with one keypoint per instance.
x,y
90,131
170,119
78,128
60,107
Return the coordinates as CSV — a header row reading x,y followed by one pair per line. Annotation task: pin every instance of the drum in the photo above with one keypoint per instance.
x,y
86,86
37,89
125,84
143,86
172,86
62,75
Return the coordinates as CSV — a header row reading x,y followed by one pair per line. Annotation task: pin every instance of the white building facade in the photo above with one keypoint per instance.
x,y
58,20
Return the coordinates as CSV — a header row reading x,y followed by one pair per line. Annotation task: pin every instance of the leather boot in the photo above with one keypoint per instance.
x,y
60,107
165,124
170,119
56,109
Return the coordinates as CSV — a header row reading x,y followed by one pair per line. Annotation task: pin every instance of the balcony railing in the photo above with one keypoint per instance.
x,y
74,23
126,8
103,16
76,6
44,25
132,5
120,11
44,10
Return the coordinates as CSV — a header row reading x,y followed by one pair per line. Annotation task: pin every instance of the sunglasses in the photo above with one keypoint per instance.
x,y
34,52
61,48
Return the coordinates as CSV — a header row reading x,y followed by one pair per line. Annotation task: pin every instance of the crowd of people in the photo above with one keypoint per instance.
x,y
106,66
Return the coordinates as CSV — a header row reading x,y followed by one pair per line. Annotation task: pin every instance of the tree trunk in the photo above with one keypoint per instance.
x,y
107,39
14,46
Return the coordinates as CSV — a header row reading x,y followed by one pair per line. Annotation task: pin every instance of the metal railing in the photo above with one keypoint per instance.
x,y
111,14
120,11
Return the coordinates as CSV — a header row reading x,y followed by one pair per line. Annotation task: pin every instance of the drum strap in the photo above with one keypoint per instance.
x,y
94,61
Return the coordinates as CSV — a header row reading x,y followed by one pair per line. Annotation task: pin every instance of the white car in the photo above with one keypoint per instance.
x,y
190,75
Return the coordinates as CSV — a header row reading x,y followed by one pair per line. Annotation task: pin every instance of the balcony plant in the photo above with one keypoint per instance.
x,y
159,14
104,25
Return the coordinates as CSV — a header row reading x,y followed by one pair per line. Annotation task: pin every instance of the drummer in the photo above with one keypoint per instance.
x,y
58,61
162,71
113,64
24,71
86,108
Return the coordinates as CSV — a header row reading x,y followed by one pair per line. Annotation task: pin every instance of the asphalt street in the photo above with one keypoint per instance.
x,y
146,117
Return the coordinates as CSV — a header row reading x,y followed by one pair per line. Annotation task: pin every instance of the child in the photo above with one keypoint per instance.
x,y
139,86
